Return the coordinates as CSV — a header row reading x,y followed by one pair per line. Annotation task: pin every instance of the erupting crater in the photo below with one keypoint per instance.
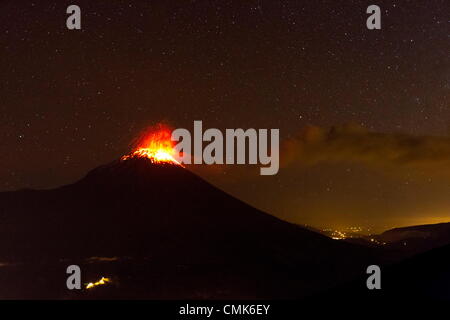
x,y
156,145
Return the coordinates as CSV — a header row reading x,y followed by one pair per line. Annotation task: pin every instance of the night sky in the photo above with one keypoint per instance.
x,y
72,100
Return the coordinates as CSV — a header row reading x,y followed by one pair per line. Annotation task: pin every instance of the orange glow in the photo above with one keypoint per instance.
x,y
155,145
100,282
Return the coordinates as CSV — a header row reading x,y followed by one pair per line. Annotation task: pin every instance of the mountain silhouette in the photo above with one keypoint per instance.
x,y
404,242
161,232
437,234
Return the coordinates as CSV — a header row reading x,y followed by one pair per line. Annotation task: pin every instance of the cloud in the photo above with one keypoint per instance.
x,y
354,144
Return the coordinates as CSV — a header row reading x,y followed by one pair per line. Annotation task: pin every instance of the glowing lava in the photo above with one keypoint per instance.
x,y
100,282
156,145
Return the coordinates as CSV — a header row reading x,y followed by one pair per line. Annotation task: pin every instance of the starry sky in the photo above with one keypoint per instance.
x,y
72,100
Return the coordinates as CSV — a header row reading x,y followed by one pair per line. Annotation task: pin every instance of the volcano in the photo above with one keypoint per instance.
x,y
160,232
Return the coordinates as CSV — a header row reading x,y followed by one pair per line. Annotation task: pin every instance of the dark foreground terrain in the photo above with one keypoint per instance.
x,y
160,232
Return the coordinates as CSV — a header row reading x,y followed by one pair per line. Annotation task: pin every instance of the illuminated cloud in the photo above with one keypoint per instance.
x,y
354,144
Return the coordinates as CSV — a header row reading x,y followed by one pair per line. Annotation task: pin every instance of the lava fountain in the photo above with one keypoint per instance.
x,y
156,145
